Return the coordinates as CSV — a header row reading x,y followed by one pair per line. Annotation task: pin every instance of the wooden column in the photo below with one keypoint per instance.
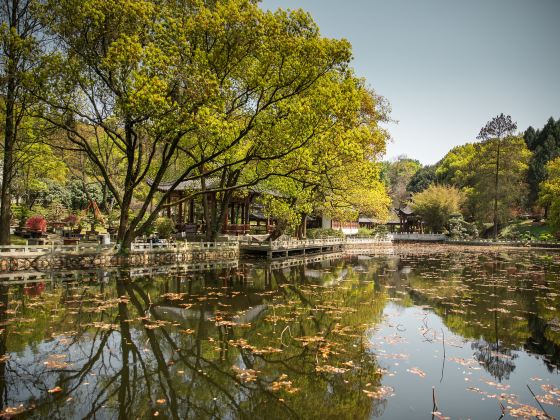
x,y
168,200
180,216
191,211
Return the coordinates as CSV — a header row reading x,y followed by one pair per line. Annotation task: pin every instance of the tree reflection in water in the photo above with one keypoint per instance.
x,y
234,343
250,342
503,301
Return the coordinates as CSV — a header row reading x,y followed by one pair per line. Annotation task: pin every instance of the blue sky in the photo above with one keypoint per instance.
x,y
448,66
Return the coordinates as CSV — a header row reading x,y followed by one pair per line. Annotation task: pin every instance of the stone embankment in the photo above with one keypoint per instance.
x,y
60,257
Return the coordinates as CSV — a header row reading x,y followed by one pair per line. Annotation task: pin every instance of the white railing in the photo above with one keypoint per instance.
x,y
419,236
181,246
15,250
372,240
295,243
52,248
312,243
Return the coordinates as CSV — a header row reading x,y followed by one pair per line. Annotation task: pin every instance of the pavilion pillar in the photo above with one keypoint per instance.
x,y
191,211
168,200
180,216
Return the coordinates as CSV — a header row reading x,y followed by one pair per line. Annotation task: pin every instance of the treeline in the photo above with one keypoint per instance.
x,y
491,181
110,99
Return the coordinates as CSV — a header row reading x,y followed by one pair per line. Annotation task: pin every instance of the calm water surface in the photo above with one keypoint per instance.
x,y
440,334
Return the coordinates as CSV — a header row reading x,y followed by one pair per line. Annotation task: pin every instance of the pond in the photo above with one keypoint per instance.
x,y
441,333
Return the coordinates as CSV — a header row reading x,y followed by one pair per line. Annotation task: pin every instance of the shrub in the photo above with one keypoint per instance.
x,y
436,204
165,227
21,213
71,220
324,233
36,223
366,232
546,237
458,228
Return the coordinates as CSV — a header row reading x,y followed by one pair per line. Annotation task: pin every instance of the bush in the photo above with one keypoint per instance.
x,y
458,228
36,223
20,213
436,204
165,227
366,232
546,237
324,233
71,220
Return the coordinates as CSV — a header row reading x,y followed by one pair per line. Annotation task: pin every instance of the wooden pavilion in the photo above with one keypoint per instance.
x,y
242,217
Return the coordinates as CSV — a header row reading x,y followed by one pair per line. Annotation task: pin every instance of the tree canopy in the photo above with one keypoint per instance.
x,y
436,204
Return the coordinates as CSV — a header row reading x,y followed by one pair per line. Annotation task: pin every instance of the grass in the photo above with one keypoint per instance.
x,y
535,229
16,240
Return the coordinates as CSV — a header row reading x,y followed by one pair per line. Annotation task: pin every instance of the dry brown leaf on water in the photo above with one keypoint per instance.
x,y
417,371
526,411
245,375
330,369
439,416
8,412
381,392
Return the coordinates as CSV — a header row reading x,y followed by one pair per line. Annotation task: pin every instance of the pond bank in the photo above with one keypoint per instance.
x,y
69,257
18,258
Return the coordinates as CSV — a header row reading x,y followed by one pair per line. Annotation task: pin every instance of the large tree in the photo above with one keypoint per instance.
x,y
336,174
472,168
487,202
495,131
18,54
181,89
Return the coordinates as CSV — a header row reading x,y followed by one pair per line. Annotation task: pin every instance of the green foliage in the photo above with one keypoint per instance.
x,y
549,195
397,175
20,213
457,167
321,233
458,228
164,227
471,167
519,230
81,195
366,232
222,88
422,179
545,145
436,204
546,237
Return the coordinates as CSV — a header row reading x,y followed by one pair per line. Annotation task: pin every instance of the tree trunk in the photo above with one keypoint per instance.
x,y
7,170
496,190
125,234
302,228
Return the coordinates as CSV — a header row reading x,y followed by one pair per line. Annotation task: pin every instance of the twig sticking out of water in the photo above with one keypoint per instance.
x,y
539,403
443,364
435,408
502,409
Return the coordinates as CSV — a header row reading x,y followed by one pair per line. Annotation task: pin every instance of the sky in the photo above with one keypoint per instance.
x,y
449,66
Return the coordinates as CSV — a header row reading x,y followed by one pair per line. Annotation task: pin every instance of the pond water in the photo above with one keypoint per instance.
x,y
443,333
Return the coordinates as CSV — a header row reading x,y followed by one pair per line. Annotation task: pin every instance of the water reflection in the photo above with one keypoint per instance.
x,y
237,342
253,340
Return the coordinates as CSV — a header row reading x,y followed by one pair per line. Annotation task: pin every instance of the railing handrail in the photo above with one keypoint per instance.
x,y
6,250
